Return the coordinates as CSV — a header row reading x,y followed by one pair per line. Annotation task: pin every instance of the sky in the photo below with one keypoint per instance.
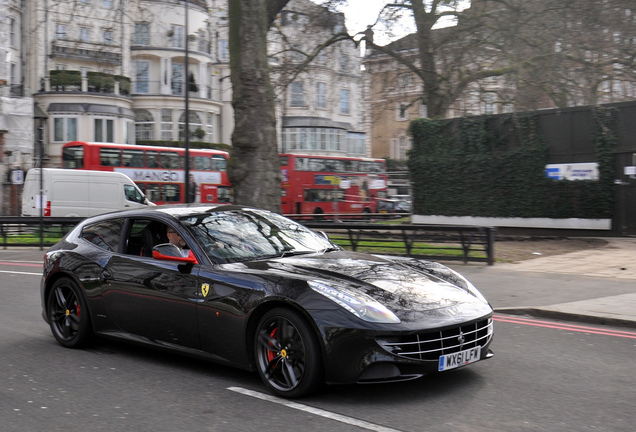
x,y
360,13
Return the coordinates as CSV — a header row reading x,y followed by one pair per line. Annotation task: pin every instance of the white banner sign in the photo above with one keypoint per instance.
x,y
573,171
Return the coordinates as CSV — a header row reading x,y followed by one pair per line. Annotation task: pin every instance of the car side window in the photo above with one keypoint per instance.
x,y
144,235
105,234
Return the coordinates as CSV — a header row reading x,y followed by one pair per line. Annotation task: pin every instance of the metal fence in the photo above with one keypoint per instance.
x,y
443,242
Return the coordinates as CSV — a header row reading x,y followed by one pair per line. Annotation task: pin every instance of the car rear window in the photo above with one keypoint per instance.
x,y
105,234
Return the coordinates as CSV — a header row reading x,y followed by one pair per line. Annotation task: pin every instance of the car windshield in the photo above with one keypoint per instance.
x,y
245,235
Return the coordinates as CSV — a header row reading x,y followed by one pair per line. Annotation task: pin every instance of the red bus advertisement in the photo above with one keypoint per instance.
x,y
158,171
331,185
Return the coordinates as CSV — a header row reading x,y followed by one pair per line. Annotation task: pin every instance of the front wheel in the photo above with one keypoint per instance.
x,y
68,314
287,354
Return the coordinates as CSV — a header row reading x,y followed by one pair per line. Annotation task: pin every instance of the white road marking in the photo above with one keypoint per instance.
x,y
22,273
316,411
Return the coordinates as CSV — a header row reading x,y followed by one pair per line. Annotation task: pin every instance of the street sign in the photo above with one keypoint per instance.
x,y
17,176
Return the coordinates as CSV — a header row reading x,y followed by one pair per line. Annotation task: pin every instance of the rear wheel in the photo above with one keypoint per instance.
x,y
68,314
287,354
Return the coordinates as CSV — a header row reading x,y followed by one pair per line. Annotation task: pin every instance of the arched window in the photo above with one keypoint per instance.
x,y
144,125
194,124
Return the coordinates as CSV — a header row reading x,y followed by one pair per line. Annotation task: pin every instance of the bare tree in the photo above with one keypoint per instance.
x,y
540,53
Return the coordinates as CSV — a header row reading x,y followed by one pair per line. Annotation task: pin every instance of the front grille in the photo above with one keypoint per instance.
x,y
430,346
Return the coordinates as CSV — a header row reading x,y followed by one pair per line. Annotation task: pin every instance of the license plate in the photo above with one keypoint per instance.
x,y
461,358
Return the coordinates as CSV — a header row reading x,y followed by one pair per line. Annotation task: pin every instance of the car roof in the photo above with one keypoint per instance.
x,y
175,210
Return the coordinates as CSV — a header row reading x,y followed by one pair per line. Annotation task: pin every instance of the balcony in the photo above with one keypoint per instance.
x,y
158,40
142,87
79,50
72,81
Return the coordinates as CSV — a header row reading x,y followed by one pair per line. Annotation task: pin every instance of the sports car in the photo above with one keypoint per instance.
x,y
252,289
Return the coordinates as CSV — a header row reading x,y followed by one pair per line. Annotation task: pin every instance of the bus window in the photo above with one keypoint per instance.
x,y
351,166
152,159
170,160
170,193
223,194
202,163
219,163
109,157
152,192
73,157
284,160
133,158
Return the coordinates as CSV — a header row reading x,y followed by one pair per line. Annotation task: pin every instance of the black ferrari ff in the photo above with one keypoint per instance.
x,y
253,289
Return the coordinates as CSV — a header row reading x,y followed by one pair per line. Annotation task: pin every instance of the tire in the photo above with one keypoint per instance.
x,y
287,354
68,315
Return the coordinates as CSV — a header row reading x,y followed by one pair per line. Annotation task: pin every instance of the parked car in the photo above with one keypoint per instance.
x,y
253,289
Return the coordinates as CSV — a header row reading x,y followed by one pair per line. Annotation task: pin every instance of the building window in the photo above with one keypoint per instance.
x,y
144,125
85,34
177,36
402,112
423,111
209,136
400,147
489,100
344,62
104,130
166,124
107,3
142,34
177,79
225,50
107,37
141,77
405,81
194,123
12,38
64,129
344,101
297,94
321,95
60,31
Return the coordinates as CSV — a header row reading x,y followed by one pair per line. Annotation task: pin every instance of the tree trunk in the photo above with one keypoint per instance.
x,y
254,168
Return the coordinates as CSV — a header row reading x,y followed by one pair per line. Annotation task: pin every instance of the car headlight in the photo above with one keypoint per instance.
x,y
359,304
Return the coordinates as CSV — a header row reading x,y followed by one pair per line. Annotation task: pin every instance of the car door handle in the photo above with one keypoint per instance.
x,y
106,275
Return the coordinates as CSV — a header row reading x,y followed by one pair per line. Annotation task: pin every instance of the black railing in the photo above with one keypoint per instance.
x,y
441,242
34,231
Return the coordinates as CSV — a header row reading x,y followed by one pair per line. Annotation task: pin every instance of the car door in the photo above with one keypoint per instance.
x,y
151,298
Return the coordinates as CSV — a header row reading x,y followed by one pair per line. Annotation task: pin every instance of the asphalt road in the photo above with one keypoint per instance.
x,y
545,376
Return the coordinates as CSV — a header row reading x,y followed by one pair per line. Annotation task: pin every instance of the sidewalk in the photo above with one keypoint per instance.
x,y
608,296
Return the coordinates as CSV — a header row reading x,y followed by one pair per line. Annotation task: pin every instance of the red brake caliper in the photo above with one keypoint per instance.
x,y
272,353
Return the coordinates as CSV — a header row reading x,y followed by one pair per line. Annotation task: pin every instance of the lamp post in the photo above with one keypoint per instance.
x,y
187,110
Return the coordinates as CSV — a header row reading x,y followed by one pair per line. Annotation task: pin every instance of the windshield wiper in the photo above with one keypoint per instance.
x,y
289,253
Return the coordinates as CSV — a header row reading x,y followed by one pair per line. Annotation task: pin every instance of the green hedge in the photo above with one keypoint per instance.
x,y
495,167
193,144
63,78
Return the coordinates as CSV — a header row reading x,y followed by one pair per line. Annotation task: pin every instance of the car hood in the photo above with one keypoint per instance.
x,y
412,289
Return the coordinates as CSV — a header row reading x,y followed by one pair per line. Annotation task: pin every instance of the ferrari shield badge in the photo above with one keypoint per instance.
x,y
205,289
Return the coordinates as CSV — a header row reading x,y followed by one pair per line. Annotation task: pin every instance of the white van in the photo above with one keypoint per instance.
x,y
79,193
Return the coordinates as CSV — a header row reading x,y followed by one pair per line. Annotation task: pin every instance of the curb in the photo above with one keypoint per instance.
x,y
566,316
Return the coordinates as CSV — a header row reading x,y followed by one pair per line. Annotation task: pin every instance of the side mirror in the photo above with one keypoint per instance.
x,y
170,252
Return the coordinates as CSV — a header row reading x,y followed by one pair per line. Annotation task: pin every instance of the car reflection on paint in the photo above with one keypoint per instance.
x,y
258,291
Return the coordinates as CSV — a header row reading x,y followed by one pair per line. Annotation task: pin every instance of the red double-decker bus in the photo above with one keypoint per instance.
x,y
158,171
331,185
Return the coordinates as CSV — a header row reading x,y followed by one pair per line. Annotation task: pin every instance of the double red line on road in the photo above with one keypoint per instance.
x,y
563,326
20,264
